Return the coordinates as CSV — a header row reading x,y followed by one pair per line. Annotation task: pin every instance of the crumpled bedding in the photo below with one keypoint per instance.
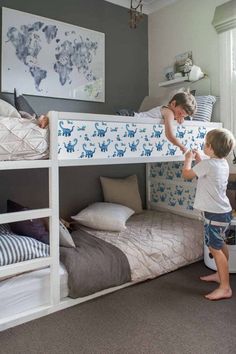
x,y
156,242
93,265
22,139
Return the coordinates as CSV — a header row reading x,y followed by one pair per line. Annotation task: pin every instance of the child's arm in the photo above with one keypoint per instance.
x,y
187,168
168,120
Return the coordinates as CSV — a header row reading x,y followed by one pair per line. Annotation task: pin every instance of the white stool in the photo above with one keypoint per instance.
x,y
210,263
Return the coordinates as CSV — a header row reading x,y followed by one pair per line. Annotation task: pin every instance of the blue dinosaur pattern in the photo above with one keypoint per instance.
x,y
86,139
169,189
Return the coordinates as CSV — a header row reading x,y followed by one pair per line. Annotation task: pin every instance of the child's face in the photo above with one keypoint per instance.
x,y
178,111
208,149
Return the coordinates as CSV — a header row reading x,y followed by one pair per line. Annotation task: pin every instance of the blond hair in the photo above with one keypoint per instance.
x,y
221,141
186,100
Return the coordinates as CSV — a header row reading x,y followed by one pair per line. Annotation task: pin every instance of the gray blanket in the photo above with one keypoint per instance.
x,y
93,265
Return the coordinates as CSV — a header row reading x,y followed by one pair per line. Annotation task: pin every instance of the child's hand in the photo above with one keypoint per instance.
x,y
183,149
43,121
197,156
189,155
180,120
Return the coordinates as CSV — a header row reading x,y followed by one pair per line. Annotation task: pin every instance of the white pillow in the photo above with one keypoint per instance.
x,y
104,216
7,110
65,237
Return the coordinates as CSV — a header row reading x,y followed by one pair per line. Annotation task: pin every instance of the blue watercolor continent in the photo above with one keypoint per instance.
x,y
78,54
69,55
27,45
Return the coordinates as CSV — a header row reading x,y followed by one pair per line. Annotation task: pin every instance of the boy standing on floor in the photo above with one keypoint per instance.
x,y
211,199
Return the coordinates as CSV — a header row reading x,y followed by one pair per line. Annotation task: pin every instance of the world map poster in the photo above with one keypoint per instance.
x,y
44,57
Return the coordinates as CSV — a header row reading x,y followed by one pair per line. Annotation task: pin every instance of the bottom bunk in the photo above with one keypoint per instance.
x,y
153,243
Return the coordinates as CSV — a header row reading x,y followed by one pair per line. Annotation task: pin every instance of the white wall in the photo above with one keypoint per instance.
x,y
180,27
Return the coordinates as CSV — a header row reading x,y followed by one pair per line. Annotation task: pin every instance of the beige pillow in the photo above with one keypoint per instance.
x,y
122,191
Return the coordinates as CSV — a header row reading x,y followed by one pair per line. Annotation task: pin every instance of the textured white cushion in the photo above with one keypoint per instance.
x,y
65,237
104,216
7,110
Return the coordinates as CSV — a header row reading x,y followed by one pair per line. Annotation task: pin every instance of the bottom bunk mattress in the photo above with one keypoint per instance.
x,y
156,242
29,290
22,139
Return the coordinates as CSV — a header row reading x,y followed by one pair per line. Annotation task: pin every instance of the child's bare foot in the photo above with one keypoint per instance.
x,y
211,277
219,294
43,121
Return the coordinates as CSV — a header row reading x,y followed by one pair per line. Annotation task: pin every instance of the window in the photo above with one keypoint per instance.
x,y
228,79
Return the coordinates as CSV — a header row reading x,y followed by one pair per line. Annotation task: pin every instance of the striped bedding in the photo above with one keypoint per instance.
x,y
15,248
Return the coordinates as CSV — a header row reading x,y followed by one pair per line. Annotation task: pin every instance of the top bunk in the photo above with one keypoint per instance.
x,y
93,139
89,139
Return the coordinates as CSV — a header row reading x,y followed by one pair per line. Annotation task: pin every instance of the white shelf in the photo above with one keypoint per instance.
x,y
172,82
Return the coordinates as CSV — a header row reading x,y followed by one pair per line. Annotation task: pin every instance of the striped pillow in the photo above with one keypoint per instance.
x,y
15,248
204,108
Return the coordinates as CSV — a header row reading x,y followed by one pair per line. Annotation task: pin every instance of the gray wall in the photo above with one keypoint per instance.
x,y
126,75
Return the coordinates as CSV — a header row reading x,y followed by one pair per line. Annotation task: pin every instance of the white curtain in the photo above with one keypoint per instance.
x,y
228,79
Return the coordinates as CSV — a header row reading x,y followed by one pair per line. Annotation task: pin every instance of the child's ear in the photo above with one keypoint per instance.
x,y
173,103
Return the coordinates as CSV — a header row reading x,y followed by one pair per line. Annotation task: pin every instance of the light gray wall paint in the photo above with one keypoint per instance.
x,y
126,80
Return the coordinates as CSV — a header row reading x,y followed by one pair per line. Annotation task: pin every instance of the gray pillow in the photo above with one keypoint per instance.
x,y
22,104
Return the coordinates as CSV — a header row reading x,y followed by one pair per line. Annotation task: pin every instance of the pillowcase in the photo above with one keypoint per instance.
x,y
34,228
22,104
125,112
7,110
204,108
122,191
104,216
65,237
15,248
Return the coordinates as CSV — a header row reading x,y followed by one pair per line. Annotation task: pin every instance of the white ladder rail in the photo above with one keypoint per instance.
x,y
25,215
26,266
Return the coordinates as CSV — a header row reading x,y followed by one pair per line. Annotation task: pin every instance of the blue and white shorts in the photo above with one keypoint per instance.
x,y
215,227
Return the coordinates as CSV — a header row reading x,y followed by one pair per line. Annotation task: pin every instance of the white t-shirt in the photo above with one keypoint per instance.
x,y
212,183
154,113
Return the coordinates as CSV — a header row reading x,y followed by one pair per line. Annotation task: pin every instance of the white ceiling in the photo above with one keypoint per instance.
x,y
149,6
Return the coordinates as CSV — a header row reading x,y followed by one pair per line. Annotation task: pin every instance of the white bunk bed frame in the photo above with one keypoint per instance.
x,y
53,165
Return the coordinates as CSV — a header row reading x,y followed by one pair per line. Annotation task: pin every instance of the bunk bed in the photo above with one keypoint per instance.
x,y
78,139
86,139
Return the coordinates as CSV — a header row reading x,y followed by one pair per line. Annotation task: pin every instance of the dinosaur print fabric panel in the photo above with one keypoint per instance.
x,y
81,139
169,190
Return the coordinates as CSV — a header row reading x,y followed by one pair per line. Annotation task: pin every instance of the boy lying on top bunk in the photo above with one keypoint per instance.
x,y
181,105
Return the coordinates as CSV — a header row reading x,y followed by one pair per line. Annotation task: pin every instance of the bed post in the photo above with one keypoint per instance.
x,y
148,191
54,205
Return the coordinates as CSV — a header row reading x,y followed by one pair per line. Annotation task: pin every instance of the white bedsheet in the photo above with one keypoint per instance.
x,y
156,243
22,139
28,291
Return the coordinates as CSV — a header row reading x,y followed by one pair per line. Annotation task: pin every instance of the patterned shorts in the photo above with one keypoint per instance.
x,y
215,227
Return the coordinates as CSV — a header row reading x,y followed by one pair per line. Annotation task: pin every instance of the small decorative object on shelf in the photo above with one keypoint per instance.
x,y
184,63
169,73
172,82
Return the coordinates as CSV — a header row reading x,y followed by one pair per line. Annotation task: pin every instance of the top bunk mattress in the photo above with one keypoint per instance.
x,y
157,242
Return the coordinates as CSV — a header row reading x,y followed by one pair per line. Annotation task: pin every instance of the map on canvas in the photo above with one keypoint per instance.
x,y
45,57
